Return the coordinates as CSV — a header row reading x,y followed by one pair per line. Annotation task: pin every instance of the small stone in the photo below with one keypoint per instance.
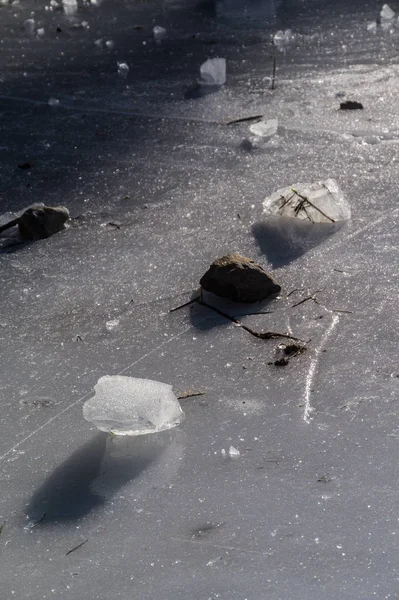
x,y
239,279
39,221
351,105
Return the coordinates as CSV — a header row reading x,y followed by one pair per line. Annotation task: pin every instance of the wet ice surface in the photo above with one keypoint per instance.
x,y
158,187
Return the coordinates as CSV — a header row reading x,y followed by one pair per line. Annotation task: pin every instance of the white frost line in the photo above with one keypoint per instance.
x,y
312,369
89,394
111,111
384,217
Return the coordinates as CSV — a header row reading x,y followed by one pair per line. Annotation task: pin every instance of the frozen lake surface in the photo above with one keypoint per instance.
x,y
158,186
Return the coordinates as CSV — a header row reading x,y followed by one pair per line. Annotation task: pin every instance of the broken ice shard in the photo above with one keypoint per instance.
x,y
123,69
29,25
70,6
387,13
130,406
321,202
263,128
213,71
159,33
234,452
282,38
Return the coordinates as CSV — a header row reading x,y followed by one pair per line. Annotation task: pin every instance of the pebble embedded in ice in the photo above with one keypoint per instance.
x,y
123,69
213,71
234,453
70,6
53,102
387,13
160,33
29,25
130,406
263,128
320,202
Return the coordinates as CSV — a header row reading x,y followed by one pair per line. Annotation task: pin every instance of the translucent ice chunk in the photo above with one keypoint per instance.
x,y
160,33
123,69
29,25
387,13
130,406
213,71
264,128
372,26
321,202
99,42
282,38
233,452
40,32
70,6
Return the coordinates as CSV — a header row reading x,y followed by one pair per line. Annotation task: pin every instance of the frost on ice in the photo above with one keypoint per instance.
x,y
321,202
213,71
130,406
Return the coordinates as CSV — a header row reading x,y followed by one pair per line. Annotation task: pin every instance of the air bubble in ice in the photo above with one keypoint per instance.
x,y
109,44
130,406
213,71
123,69
53,102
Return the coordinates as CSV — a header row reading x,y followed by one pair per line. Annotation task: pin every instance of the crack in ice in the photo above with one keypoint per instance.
x,y
313,367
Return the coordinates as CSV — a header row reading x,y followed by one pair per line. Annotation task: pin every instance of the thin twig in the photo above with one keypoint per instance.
x,y
274,73
313,205
185,304
262,335
243,119
76,547
349,312
190,395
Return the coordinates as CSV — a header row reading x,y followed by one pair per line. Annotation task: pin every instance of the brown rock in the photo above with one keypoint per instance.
x,y
239,279
40,221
